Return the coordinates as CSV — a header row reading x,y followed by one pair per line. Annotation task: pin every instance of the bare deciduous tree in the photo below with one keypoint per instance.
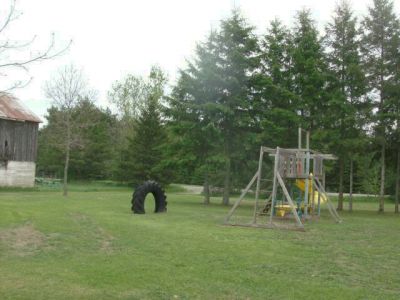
x,y
66,88
16,55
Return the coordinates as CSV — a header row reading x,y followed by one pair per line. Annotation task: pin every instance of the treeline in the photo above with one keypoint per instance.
x,y
241,91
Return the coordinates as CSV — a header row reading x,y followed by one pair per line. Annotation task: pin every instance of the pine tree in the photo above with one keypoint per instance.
x,y
143,159
275,88
394,115
237,49
50,151
216,86
379,46
347,86
194,141
91,149
93,158
309,71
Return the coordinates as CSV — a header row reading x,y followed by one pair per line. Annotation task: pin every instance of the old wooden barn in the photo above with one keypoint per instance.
x,y
18,143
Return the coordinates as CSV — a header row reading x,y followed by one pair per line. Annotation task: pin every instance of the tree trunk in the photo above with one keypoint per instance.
x,y
396,205
382,132
206,190
341,171
351,186
65,185
382,189
227,182
66,166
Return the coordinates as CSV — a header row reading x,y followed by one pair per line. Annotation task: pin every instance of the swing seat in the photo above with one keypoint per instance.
x,y
282,209
280,213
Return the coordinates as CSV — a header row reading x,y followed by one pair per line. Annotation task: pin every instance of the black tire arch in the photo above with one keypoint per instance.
x,y
142,191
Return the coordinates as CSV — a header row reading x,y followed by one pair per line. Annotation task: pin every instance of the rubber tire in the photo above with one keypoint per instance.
x,y
140,195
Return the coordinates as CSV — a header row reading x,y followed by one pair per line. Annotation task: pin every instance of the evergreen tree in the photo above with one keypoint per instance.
x,y
91,147
194,140
394,115
343,124
143,158
93,158
218,85
128,95
237,47
275,88
380,44
309,71
50,151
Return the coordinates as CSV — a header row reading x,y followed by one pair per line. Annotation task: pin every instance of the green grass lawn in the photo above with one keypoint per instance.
x,y
90,246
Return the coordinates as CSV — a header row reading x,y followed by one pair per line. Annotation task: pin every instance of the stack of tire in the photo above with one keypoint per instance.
x,y
142,191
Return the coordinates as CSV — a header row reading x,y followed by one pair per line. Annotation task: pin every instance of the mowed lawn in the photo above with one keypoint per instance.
x,y
90,246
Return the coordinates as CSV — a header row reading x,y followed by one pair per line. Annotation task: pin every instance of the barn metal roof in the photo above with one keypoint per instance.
x,y
12,109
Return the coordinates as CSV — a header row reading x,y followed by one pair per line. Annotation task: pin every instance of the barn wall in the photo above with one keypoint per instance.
x,y
21,138
17,173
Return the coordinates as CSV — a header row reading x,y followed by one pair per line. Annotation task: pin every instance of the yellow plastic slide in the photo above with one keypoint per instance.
x,y
301,184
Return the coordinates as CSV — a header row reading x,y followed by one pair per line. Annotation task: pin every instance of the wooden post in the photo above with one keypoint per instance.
x,y
341,174
312,200
306,190
319,204
329,204
274,187
258,185
319,194
241,198
299,138
289,199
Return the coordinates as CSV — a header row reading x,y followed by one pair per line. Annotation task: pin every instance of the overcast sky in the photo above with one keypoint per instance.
x,y
114,37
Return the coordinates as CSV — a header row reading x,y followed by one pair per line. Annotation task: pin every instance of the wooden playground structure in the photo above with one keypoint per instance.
x,y
296,190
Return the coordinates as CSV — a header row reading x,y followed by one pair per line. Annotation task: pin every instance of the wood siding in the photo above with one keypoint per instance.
x,y
21,138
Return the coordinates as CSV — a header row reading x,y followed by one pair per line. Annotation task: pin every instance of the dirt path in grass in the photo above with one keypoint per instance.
x,y
95,232
192,189
22,240
198,189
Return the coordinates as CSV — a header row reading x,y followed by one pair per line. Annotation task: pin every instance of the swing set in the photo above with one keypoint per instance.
x,y
296,193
